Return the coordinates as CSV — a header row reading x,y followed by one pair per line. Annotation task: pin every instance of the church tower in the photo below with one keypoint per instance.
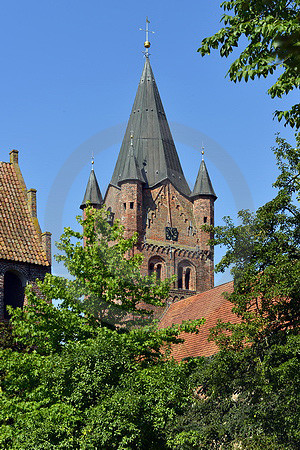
x,y
149,194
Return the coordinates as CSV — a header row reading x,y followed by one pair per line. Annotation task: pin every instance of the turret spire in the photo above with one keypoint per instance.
x,y
203,185
131,170
92,192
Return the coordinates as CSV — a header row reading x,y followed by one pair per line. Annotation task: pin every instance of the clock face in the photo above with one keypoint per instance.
x,y
171,234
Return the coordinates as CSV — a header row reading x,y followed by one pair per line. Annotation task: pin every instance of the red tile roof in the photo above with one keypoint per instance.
x,y
19,240
209,304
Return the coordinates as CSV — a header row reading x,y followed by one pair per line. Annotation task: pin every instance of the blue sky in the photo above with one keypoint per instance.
x,y
69,73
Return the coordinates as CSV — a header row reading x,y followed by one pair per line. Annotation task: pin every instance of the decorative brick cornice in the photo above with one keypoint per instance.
x,y
186,252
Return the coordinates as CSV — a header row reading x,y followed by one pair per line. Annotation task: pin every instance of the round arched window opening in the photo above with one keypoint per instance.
x,y
13,292
158,272
187,278
157,265
151,268
180,272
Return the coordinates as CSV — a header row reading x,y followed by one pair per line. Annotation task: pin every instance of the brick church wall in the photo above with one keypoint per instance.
x,y
28,273
163,206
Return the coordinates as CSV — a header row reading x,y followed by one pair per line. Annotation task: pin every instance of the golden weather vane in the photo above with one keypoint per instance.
x,y
147,42
202,151
93,159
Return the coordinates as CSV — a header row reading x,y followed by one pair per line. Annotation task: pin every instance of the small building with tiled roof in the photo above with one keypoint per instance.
x,y
211,305
25,252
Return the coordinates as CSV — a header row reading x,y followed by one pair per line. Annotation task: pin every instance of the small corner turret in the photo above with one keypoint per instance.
x,y
203,185
203,197
131,170
92,193
131,183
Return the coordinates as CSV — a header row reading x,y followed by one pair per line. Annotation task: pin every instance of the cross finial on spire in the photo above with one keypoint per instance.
x,y
92,160
202,152
147,42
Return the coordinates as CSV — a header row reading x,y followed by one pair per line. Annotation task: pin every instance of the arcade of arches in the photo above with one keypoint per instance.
x,y
186,273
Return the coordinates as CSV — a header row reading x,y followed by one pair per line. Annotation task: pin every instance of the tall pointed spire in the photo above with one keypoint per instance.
x,y
203,185
154,148
92,192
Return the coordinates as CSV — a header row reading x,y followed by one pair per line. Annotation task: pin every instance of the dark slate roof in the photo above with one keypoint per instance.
x,y
212,305
154,147
92,192
131,169
19,240
203,184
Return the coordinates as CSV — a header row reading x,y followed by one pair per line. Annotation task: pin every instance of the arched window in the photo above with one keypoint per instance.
x,y
13,291
180,272
158,271
151,268
187,278
157,265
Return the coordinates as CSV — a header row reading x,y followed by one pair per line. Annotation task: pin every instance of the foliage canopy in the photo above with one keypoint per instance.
x,y
264,256
247,396
75,378
272,28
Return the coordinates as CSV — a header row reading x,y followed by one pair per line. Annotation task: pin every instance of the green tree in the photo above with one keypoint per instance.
x,y
264,256
243,400
76,379
272,28
105,288
116,390
248,394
